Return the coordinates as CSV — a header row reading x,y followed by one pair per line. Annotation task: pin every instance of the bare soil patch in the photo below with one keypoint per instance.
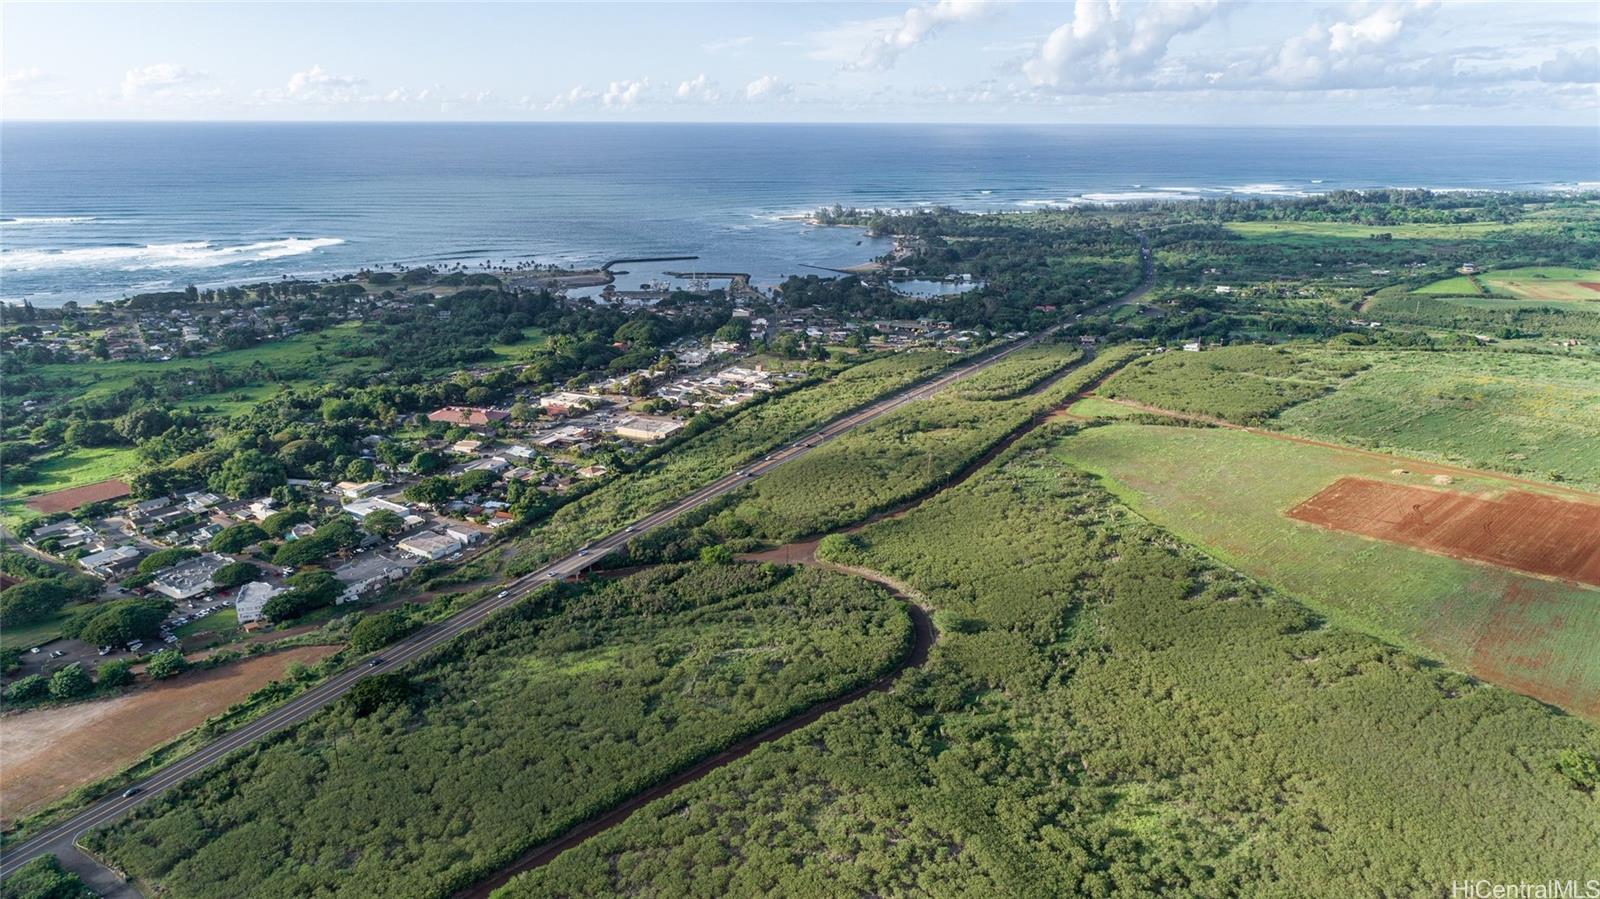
x,y
46,754
73,497
1525,531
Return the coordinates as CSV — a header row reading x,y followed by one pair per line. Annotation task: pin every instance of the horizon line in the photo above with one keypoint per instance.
x,y
825,122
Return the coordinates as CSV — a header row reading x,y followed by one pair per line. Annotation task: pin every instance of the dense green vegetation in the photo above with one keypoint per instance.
x,y
423,783
879,466
1244,384
1021,372
44,878
1109,715
705,456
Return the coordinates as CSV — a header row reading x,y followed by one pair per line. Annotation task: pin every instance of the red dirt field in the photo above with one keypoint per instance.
x,y
1526,531
1589,284
72,498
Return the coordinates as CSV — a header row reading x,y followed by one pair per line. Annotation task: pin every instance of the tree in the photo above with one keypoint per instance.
x,y
27,688
31,601
382,523
369,694
166,663
716,555
278,523
235,538
235,574
90,433
336,410
120,622
360,471
44,878
165,558
308,591
431,491
70,682
304,551
379,630
248,473
116,673
426,462
144,423
474,481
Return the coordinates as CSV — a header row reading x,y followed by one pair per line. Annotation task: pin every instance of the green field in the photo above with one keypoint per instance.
x,y
1549,284
1227,490
512,733
1109,715
1532,415
75,468
1296,232
1244,384
305,358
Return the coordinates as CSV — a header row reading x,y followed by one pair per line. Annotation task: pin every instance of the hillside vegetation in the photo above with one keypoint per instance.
x,y
419,785
1109,715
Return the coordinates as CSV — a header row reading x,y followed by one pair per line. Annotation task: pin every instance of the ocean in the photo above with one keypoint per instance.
x,y
92,211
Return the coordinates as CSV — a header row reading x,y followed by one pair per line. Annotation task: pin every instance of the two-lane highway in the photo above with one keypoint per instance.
x,y
62,837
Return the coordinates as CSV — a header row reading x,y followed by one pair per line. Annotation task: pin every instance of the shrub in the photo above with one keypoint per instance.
x,y
116,673
27,688
166,663
70,682
379,630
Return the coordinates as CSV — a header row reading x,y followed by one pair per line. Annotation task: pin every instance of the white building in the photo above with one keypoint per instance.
x,y
252,599
428,545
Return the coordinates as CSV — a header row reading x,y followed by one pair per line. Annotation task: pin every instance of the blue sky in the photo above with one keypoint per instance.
x,y
1184,61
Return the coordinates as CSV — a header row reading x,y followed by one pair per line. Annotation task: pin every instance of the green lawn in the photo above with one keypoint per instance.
x,y
1227,490
217,622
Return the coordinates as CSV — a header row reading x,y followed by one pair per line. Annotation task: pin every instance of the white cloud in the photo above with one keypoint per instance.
x,y
163,79
1109,43
1582,67
767,87
916,25
318,85
22,81
624,93
732,45
876,44
699,90
579,96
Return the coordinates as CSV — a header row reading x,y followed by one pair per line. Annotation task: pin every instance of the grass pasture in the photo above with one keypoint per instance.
x,y
1550,284
1227,491
1532,415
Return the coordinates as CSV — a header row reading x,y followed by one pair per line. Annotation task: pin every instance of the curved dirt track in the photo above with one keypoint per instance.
x,y
543,854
